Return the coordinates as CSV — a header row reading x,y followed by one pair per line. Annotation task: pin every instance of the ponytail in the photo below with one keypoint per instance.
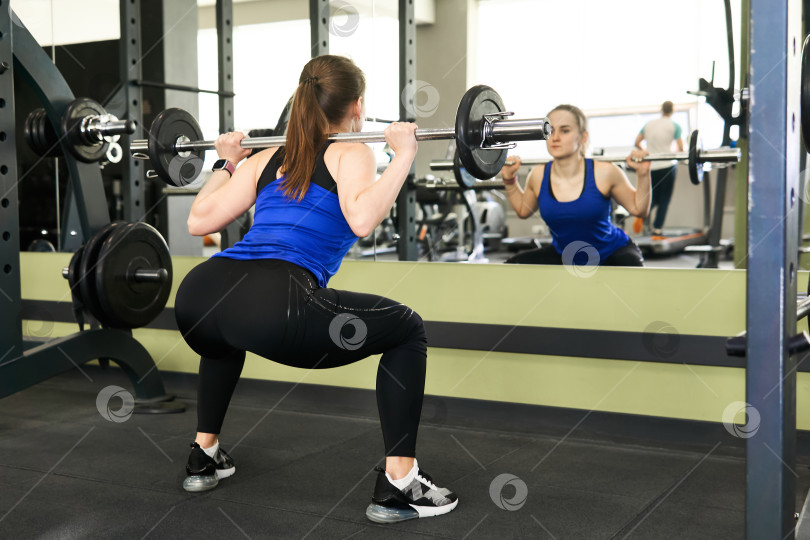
x,y
328,85
306,133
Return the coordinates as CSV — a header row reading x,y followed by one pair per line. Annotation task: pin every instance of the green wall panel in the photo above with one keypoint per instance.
x,y
704,302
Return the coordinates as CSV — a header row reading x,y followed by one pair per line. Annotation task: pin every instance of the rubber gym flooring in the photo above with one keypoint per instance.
x,y
304,459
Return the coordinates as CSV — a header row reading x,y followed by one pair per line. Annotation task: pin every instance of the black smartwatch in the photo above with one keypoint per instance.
x,y
223,165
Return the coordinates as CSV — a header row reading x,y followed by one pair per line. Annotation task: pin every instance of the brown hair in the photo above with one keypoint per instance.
x,y
582,120
328,85
666,108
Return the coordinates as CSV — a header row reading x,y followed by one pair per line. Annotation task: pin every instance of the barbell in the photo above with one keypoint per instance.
x,y
89,131
483,133
696,157
122,275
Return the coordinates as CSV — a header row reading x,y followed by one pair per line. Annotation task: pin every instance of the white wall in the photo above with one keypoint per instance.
x,y
599,54
61,22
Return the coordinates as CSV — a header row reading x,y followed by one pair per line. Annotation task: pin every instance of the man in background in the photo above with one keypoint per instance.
x,y
660,134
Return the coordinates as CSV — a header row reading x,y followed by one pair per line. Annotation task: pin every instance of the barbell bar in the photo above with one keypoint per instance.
x,y
97,127
714,156
88,128
483,134
440,184
696,158
501,132
160,275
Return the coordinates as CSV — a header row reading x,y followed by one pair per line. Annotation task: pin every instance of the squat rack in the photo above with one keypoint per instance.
x,y
25,362
773,204
770,282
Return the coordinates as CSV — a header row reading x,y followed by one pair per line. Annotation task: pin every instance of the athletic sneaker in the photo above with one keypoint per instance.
x,y
205,472
421,498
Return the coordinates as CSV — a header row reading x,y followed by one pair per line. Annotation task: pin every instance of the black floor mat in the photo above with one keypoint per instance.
x,y
305,459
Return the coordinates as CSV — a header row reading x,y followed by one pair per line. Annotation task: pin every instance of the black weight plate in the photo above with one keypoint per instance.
x,y
28,130
805,97
177,169
283,119
464,179
73,274
38,132
41,245
71,120
478,101
87,268
695,168
48,136
127,303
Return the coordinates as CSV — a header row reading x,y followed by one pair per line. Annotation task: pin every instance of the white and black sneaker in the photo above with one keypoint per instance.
x,y
205,472
420,498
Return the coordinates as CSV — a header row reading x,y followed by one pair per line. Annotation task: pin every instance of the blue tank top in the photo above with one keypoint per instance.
x,y
312,233
581,222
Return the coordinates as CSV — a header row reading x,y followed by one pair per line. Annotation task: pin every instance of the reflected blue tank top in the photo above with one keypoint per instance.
x,y
581,222
312,233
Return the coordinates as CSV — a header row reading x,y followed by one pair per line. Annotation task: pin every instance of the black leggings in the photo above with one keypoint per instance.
x,y
663,182
627,255
276,309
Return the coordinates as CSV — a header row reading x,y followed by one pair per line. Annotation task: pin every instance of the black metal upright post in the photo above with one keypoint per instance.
x,y
133,185
10,319
319,27
232,232
771,279
224,11
406,201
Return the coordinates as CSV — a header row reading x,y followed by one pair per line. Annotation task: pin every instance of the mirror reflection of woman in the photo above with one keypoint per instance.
x,y
573,194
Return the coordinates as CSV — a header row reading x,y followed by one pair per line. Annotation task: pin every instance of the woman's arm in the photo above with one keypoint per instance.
x,y
635,199
224,198
364,202
524,202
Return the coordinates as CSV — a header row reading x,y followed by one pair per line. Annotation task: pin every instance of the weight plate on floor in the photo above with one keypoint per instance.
x,y
128,303
73,274
87,272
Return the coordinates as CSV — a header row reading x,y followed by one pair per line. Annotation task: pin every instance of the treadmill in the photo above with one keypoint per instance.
x,y
675,240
